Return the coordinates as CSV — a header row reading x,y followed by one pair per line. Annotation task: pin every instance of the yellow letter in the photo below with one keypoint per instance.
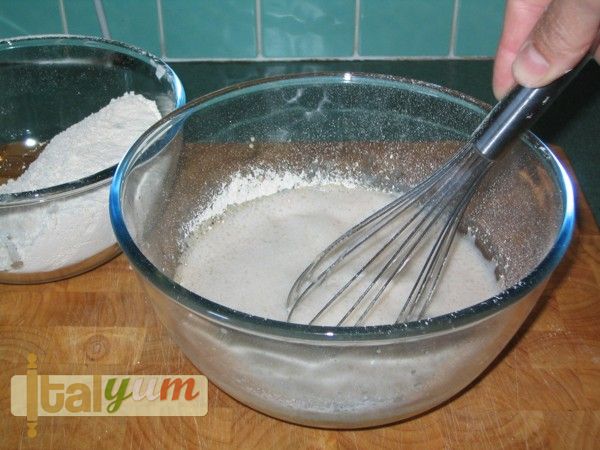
x,y
78,399
97,393
46,388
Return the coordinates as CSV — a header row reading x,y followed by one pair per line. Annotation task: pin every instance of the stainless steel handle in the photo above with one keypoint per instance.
x,y
517,112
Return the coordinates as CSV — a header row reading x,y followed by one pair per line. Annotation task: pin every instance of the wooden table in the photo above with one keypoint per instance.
x,y
543,391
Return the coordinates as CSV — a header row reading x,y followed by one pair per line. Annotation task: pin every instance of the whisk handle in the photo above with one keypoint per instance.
x,y
516,113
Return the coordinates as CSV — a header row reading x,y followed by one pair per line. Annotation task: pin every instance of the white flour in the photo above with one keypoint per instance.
x,y
59,233
260,183
249,258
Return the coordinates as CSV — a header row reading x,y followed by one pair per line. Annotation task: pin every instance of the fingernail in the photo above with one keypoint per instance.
x,y
500,92
530,67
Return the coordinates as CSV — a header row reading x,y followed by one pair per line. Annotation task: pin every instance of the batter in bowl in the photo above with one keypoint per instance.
x,y
248,257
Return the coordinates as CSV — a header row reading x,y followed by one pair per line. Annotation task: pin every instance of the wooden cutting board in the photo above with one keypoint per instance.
x,y
542,392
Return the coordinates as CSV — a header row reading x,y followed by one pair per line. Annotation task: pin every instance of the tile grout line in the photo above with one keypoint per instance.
x,y
332,59
259,42
454,29
161,29
102,19
356,45
63,16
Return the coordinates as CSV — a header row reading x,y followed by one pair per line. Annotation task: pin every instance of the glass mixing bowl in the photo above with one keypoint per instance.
x,y
48,83
387,132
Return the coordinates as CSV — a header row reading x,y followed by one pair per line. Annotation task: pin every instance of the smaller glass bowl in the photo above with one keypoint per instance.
x,y
48,83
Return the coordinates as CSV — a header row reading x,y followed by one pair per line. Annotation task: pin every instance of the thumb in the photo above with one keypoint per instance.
x,y
560,39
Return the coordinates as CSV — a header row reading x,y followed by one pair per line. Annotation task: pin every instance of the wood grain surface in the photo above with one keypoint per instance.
x,y
542,392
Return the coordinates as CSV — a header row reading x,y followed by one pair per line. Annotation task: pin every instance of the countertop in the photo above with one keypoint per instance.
x,y
543,391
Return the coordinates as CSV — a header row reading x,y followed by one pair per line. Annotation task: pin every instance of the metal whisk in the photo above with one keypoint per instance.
x,y
375,251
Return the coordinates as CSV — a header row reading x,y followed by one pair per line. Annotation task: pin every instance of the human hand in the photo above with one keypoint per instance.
x,y
542,39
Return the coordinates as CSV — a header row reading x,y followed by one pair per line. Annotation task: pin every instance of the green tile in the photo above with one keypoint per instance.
x,y
209,28
134,22
308,28
82,18
21,17
479,27
405,27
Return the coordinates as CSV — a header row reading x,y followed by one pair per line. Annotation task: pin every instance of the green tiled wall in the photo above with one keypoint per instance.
x,y
308,28
210,28
405,27
81,17
134,21
272,29
16,17
479,26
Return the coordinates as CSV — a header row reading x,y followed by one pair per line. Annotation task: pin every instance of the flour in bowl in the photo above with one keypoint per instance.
x,y
248,257
61,232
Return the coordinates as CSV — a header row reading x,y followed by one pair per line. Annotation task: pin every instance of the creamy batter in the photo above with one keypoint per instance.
x,y
248,257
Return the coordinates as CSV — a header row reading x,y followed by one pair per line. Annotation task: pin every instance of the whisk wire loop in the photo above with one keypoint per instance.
x,y
424,288
411,217
381,218
422,292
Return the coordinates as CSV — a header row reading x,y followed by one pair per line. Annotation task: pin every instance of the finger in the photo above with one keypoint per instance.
x,y
560,39
519,19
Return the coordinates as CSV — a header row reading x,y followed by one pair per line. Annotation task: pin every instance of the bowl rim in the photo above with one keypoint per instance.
x,y
230,318
103,177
